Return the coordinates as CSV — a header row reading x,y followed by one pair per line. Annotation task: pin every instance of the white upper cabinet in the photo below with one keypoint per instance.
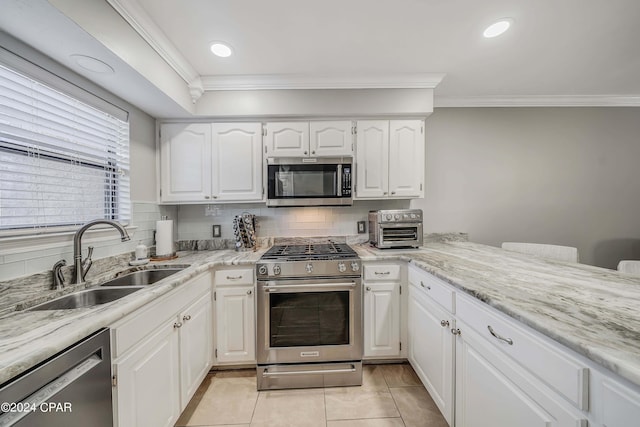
x,y
389,159
372,159
406,158
237,161
185,160
203,162
287,139
309,139
331,138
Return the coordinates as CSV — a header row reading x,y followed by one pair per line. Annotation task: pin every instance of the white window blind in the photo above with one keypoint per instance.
x,y
62,161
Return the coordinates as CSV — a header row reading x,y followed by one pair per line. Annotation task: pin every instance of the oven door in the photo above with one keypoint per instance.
x,y
400,235
309,320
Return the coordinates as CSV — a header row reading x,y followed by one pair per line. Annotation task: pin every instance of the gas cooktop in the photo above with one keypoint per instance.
x,y
322,251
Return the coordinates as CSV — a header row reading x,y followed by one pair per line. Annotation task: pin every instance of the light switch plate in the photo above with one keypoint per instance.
x,y
362,227
217,232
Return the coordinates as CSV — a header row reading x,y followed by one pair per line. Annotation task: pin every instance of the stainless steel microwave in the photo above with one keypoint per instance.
x,y
309,181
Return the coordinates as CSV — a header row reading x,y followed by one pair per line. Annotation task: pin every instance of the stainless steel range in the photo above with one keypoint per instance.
x,y
309,325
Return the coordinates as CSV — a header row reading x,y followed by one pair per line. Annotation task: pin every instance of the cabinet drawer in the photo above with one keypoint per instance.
x,y
238,276
440,291
384,272
140,324
538,354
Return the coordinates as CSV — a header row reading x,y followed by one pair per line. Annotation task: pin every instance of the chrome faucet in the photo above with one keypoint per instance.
x,y
81,268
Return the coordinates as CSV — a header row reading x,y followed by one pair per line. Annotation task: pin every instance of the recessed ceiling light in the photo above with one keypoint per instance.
x,y
92,64
221,49
497,28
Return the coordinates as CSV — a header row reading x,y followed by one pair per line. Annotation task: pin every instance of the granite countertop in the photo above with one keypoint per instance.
x,y
29,337
591,310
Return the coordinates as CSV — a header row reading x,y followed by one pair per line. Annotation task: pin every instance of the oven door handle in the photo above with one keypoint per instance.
x,y
308,288
318,372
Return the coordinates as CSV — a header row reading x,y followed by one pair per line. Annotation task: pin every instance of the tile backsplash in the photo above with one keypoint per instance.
x,y
37,255
195,222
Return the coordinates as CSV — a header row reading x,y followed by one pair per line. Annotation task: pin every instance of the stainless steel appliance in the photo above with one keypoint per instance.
x,y
397,228
72,388
309,181
309,325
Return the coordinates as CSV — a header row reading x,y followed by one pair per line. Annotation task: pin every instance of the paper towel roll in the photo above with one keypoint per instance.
x,y
164,237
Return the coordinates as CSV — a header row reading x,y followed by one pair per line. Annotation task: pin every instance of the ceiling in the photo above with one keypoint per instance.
x,y
567,52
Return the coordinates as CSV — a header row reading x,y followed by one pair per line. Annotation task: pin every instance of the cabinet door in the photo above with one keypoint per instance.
x,y
287,139
195,346
234,323
489,390
331,138
148,385
406,158
185,162
372,159
382,319
620,405
431,347
237,161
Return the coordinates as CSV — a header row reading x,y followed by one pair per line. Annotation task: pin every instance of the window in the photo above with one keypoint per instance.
x,y
62,161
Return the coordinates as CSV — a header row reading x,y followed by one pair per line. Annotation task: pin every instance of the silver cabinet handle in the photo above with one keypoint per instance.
x,y
186,317
456,332
500,337
422,284
234,277
207,197
368,288
393,192
177,325
382,273
249,292
444,323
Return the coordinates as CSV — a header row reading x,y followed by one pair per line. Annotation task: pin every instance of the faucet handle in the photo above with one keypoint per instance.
x,y
86,264
58,277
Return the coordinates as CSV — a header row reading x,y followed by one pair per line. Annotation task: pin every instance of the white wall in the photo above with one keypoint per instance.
x,y
565,176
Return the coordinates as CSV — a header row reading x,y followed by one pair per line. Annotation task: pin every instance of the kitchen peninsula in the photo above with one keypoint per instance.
x,y
589,310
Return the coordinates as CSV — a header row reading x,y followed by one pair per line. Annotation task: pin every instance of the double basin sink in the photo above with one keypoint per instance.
x,y
109,291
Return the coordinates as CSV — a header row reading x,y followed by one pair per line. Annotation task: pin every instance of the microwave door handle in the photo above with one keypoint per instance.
x,y
339,189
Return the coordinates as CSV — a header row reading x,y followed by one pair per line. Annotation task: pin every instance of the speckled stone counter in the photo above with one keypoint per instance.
x,y
593,311
29,337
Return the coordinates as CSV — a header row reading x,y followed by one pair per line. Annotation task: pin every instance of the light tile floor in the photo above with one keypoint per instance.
x,y
390,396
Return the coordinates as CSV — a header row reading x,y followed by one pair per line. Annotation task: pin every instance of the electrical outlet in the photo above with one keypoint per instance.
x,y
217,232
362,227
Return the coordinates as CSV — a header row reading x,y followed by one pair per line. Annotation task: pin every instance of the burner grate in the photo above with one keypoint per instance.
x,y
310,251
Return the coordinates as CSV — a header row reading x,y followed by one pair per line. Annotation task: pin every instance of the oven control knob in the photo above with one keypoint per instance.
x,y
413,216
389,217
397,217
355,266
276,269
341,267
309,268
262,269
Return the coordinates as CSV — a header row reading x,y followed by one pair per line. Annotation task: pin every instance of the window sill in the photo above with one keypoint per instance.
x,y
35,242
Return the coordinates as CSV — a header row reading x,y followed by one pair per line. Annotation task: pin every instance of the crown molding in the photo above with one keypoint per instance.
x,y
539,101
137,17
304,81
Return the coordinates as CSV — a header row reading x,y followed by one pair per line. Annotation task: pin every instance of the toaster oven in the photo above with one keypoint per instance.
x,y
397,228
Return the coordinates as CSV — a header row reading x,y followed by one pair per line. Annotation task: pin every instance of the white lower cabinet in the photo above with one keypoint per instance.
x,y
384,326
382,319
148,382
235,335
161,354
493,390
431,346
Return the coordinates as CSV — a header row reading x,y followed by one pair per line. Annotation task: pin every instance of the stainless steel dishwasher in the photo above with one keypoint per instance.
x,y
71,388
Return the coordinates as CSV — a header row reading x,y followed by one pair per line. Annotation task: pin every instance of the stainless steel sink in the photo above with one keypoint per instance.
x,y
87,298
142,277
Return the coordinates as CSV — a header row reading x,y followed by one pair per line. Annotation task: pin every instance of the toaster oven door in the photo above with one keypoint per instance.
x,y
400,235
